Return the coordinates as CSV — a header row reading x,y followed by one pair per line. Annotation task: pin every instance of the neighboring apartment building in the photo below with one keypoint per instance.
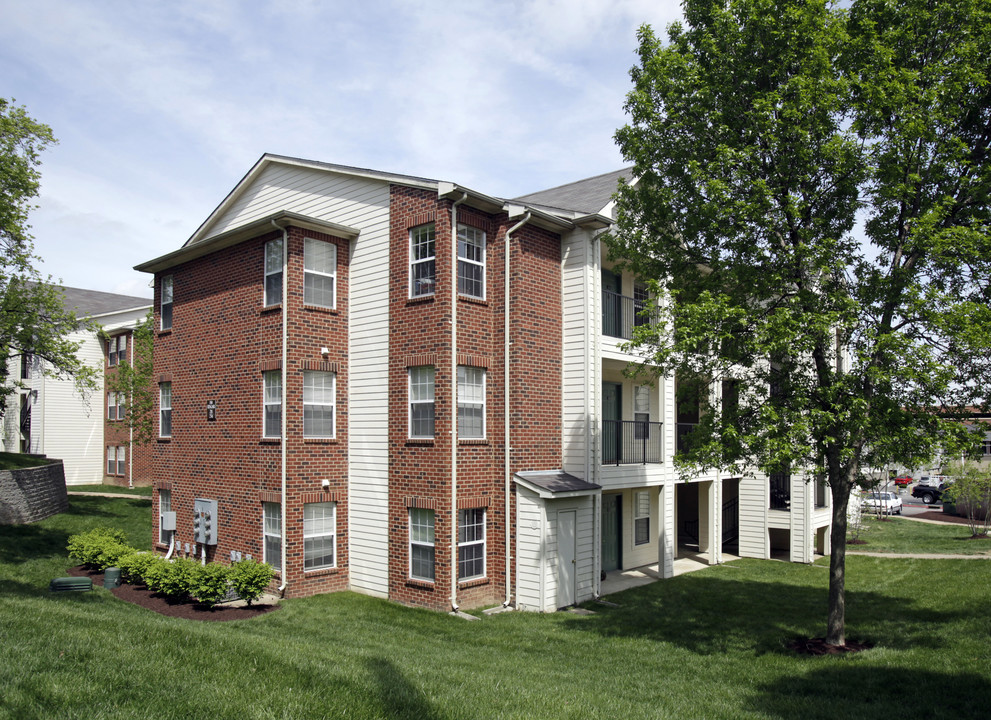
x,y
49,417
411,389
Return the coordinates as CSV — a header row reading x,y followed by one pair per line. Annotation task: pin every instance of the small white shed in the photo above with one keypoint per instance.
x,y
557,530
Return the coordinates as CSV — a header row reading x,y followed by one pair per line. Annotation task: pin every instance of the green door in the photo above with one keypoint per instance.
x,y
612,549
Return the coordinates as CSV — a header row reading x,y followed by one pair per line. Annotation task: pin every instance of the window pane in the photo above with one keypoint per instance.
x,y
111,461
320,256
318,552
471,262
422,562
272,403
273,552
318,290
421,524
422,420
121,460
273,257
471,561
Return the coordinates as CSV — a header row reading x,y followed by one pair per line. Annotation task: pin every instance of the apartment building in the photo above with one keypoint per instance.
x,y
411,389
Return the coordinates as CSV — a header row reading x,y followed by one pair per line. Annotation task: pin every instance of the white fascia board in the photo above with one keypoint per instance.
x,y
538,217
481,201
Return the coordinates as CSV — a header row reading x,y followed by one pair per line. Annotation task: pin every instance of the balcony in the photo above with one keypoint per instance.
x,y
620,314
683,441
631,442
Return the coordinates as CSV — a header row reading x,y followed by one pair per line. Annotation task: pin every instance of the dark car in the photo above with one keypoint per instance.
x,y
929,493
903,481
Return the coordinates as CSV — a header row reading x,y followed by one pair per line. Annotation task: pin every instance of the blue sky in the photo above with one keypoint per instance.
x,y
161,107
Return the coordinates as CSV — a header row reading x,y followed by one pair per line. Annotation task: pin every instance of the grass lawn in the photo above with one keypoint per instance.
x,y
705,645
137,490
16,461
900,535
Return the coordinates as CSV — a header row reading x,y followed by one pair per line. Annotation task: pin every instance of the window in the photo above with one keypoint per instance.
x,y
318,404
641,517
421,544
116,460
164,506
27,360
272,403
273,272
121,349
111,406
111,460
318,535
121,405
421,402
471,402
165,409
471,543
272,531
640,299
121,460
641,412
166,303
319,273
112,352
471,262
422,273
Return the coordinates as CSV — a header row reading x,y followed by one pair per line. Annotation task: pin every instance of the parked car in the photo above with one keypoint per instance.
x,y
934,480
903,480
887,503
929,493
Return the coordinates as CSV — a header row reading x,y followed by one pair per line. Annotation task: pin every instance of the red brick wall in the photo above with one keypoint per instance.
x,y
221,340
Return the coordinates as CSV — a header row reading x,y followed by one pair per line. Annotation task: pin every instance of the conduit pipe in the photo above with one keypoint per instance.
x,y
285,363
454,400
506,418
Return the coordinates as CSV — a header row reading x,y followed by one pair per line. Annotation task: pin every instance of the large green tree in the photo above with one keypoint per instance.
x,y
813,189
34,321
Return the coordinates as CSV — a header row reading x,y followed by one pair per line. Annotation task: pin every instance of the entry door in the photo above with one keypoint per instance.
x,y
612,427
611,545
566,553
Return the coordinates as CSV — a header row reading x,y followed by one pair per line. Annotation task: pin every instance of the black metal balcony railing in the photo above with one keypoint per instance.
x,y
631,442
780,491
620,314
683,441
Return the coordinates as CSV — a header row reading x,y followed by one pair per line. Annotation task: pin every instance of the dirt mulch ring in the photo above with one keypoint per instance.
x,y
819,646
142,596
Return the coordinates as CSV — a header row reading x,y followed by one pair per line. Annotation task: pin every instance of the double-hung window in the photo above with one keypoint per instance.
x,y
272,403
318,535
165,409
319,273
272,532
471,543
641,412
122,349
422,256
273,272
166,303
121,460
641,517
471,262
164,506
471,402
421,401
112,351
421,544
116,460
111,460
111,406
318,404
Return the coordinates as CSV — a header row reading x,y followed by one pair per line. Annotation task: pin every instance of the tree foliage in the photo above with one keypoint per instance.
x,y
812,185
34,321
971,492
136,381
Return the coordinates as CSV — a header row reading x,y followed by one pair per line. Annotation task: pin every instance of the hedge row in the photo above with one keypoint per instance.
x,y
179,579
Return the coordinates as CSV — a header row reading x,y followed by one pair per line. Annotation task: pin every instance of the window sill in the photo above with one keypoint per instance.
x,y
473,300
422,584
474,582
271,309
270,441
321,309
320,441
420,299
473,441
164,439
419,442
163,333
321,572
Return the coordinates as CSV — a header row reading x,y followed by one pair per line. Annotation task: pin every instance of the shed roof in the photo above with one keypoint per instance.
x,y
556,482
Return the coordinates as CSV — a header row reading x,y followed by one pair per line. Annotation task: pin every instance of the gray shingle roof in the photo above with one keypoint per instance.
x,y
87,303
584,196
556,481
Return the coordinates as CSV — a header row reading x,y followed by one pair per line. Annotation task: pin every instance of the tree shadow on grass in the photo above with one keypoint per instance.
x,y
399,697
714,612
873,693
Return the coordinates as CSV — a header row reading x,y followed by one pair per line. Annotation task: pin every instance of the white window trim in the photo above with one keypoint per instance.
x,y
473,262
332,534
332,275
467,543
166,283
332,405
162,407
432,401
266,300
421,543
466,404
412,262
265,402
266,534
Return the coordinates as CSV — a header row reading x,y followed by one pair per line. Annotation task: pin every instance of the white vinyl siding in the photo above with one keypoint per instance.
x,y
319,390
272,534
319,533
319,273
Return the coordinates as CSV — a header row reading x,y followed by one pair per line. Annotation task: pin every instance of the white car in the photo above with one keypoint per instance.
x,y
887,503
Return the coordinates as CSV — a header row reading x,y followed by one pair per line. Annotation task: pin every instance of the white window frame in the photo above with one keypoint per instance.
x,y
315,527
420,541
164,409
111,406
273,248
272,531
164,506
416,400
473,237
422,235
111,460
271,400
121,460
166,304
476,390
309,402
641,517
466,519
310,245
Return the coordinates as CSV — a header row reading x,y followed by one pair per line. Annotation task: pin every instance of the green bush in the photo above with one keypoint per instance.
x,y
155,571
178,579
97,545
135,565
249,578
212,583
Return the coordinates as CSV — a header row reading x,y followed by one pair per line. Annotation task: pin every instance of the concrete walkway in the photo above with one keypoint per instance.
x,y
109,495
922,556
619,580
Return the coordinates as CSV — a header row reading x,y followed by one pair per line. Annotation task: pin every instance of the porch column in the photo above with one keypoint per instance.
x,y
667,535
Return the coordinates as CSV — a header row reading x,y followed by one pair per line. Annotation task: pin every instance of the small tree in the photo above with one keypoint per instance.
x,y
971,488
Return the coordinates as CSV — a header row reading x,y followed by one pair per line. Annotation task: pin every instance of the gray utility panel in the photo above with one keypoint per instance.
x,y
205,521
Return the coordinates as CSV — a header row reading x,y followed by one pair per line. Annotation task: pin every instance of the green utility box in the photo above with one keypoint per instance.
x,y
66,584
111,577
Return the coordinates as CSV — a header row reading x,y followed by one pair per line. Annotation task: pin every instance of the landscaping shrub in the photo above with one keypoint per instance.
x,y
155,572
249,578
178,578
135,565
211,583
97,545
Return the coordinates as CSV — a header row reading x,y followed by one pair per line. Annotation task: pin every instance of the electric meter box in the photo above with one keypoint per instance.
x,y
168,520
205,521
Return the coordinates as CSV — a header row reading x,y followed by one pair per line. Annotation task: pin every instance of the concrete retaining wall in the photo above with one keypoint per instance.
x,y
32,494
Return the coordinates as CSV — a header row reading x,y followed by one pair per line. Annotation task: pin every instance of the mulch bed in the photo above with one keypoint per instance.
x,y
940,516
819,646
142,596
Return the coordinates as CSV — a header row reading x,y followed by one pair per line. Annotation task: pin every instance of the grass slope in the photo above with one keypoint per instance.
x,y
705,645
900,535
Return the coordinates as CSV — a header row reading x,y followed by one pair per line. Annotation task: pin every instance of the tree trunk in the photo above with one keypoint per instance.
x,y
836,620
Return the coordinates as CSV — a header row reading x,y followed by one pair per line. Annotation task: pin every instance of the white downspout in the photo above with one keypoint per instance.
x,y
454,401
285,369
595,458
506,430
130,426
